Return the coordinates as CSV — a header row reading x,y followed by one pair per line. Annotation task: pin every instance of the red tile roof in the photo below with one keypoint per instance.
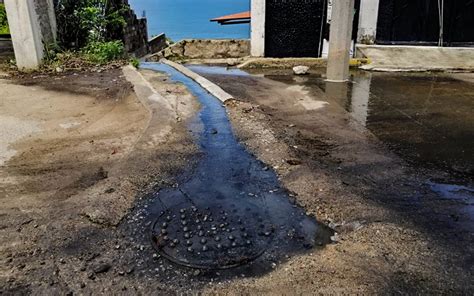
x,y
233,18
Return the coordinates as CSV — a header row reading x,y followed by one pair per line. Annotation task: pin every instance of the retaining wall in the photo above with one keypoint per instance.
x,y
204,49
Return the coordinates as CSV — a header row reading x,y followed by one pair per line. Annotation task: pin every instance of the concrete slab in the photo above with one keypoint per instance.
x,y
288,63
212,88
416,58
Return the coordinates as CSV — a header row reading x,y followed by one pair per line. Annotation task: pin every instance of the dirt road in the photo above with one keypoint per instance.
x,y
85,155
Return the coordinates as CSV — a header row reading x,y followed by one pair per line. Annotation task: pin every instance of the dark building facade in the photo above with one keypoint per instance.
x,y
298,28
426,22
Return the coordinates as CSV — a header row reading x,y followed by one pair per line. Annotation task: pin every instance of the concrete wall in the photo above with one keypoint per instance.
x,y
157,43
204,49
47,20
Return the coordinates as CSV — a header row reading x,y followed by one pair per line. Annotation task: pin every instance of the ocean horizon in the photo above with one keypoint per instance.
x,y
190,19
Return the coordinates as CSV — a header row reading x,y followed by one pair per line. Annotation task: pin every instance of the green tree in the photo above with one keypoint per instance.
x,y
3,20
85,21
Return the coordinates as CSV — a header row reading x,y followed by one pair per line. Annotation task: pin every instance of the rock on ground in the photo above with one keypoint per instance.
x,y
300,70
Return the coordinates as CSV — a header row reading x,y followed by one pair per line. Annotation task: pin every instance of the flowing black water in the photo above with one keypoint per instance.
x,y
229,210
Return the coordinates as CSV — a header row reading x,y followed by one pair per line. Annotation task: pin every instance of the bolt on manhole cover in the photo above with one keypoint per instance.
x,y
211,237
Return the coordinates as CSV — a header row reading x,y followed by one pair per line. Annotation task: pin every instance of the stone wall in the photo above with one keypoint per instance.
x,y
204,49
6,49
47,21
135,33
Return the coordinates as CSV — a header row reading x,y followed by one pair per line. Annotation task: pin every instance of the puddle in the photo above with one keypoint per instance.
x,y
230,210
217,70
453,191
461,193
425,118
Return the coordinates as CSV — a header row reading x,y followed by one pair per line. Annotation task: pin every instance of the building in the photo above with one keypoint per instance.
x,y
295,28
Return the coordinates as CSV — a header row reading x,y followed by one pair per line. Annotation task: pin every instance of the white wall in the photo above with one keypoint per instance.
x,y
257,35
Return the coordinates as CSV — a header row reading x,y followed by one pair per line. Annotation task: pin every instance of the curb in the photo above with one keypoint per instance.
x,y
212,88
145,92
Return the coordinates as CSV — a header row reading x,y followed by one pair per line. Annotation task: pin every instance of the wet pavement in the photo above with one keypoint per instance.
x,y
425,118
229,210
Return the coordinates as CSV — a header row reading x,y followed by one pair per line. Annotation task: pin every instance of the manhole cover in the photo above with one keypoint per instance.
x,y
211,237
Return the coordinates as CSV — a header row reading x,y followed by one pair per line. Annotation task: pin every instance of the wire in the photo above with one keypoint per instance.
x,y
441,22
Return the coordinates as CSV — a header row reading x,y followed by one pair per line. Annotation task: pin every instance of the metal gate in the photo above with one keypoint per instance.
x,y
294,28
426,22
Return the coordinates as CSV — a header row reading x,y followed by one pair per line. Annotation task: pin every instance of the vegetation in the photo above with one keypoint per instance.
x,y
85,21
135,62
90,33
3,20
102,52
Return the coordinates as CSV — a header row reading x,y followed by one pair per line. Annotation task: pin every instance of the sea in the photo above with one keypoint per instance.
x,y
185,19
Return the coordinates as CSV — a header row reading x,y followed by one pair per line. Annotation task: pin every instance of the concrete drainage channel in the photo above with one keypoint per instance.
x,y
229,212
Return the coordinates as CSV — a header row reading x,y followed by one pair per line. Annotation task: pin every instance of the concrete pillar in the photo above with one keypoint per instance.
x,y
32,27
368,17
257,35
340,40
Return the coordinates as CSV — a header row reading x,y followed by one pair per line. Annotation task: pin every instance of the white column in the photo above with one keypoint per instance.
x,y
368,17
25,31
257,35
340,40
28,30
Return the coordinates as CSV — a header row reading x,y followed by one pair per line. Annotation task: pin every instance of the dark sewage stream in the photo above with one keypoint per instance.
x,y
229,211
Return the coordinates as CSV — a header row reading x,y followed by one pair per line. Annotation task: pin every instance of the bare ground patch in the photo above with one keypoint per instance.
x,y
70,180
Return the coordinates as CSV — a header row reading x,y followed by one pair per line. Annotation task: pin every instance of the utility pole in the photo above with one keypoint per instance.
x,y
340,38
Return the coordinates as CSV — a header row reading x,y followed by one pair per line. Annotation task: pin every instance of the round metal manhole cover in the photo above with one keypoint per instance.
x,y
211,237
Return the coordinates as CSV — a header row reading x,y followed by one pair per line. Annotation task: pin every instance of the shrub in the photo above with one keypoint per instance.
x,y
135,62
85,21
103,52
3,20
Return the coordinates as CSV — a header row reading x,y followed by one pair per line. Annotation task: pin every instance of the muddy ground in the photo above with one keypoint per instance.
x,y
85,154
77,151
395,235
